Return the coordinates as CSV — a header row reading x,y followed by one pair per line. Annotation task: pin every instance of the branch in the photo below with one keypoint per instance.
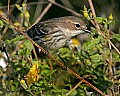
x,y
66,8
43,13
94,14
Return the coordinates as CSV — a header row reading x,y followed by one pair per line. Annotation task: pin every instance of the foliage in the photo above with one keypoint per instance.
x,y
95,62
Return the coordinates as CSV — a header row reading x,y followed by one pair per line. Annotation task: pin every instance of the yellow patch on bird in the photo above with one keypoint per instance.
x,y
74,45
1,12
47,37
75,41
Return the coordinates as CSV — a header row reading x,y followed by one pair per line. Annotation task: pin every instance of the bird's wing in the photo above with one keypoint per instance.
x,y
41,29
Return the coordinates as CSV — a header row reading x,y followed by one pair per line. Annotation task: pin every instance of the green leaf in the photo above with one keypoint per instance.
x,y
27,44
111,22
1,24
94,30
116,37
14,40
116,57
73,93
96,58
90,45
99,19
117,72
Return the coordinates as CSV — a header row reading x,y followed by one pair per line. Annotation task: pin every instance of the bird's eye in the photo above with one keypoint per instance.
x,y
77,25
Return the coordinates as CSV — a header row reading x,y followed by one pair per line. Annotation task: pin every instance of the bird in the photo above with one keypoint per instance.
x,y
55,33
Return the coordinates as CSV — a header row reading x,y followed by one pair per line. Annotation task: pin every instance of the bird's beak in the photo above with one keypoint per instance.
x,y
87,31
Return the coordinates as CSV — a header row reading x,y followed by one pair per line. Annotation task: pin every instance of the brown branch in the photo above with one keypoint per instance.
x,y
87,76
27,90
8,8
43,13
66,8
94,14
74,88
35,54
110,59
110,66
53,58
76,75
50,63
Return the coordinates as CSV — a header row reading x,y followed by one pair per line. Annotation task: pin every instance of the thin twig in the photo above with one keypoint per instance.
x,y
66,8
110,66
43,13
50,63
74,88
87,76
8,8
53,58
110,59
35,54
94,14
28,90
4,31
